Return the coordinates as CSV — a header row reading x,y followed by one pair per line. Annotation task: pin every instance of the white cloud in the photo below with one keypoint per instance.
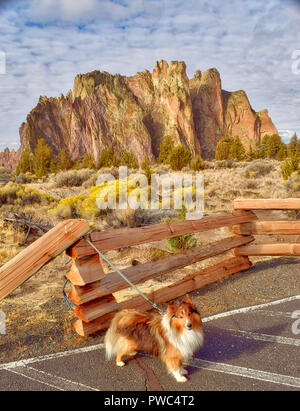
x,y
45,11
286,135
48,42
87,11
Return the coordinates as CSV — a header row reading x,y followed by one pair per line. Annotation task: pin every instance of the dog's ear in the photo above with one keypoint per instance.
x,y
172,308
187,299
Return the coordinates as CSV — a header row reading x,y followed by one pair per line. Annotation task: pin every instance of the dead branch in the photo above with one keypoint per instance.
x,y
27,224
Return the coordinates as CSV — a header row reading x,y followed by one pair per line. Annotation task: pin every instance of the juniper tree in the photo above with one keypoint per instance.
x,y
42,156
25,164
179,157
165,149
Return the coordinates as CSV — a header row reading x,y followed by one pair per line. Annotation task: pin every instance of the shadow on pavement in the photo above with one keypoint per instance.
x,y
222,346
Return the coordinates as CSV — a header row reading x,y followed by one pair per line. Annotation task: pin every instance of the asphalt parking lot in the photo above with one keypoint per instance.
x,y
252,348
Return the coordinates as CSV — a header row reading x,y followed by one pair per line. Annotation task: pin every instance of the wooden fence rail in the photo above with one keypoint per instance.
x,y
267,204
187,284
268,227
282,227
280,249
98,307
113,282
92,290
126,237
32,258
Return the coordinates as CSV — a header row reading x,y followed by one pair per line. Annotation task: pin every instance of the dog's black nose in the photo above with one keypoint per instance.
x,y
189,326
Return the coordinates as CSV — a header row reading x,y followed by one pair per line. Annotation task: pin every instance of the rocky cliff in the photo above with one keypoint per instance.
x,y
9,159
135,113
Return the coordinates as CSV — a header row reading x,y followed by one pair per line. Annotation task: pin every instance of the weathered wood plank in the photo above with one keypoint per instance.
x,y
86,270
96,308
113,282
267,204
280,249
32,258
191,282
93,313
268,227
84,329
125,237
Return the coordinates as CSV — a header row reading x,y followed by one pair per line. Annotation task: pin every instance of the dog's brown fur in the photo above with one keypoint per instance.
x,y
172,337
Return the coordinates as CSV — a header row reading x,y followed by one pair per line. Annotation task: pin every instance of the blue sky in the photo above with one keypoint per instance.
x,y
47,42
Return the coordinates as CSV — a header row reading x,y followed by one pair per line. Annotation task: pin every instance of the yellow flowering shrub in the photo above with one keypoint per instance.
x,y
18,194
98,200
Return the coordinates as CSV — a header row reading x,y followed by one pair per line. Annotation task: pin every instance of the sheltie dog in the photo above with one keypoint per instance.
x,y
172,337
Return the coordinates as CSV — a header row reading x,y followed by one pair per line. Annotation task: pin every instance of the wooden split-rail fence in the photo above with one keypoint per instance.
x,y
92,290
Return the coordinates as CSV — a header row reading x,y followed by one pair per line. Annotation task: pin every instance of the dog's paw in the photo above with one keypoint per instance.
x,y
179,377
182,378
120,363
132,353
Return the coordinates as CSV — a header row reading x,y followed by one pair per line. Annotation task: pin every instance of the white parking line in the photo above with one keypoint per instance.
x,y
47,357
250,308
14,370
264,337
267,313
246,372
53,381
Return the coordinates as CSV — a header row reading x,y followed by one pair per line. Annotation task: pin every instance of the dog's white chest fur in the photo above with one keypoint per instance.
x,y
187,342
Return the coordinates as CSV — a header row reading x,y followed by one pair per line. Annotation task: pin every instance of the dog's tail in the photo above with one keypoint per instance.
x,y
110,341
112,338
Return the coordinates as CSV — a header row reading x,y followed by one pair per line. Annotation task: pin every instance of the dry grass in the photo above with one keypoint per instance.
x,y
73,178
10,242
224,181
259,179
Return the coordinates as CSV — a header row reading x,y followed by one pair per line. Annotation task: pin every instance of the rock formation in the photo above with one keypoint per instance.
x,y
9,159
135,113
